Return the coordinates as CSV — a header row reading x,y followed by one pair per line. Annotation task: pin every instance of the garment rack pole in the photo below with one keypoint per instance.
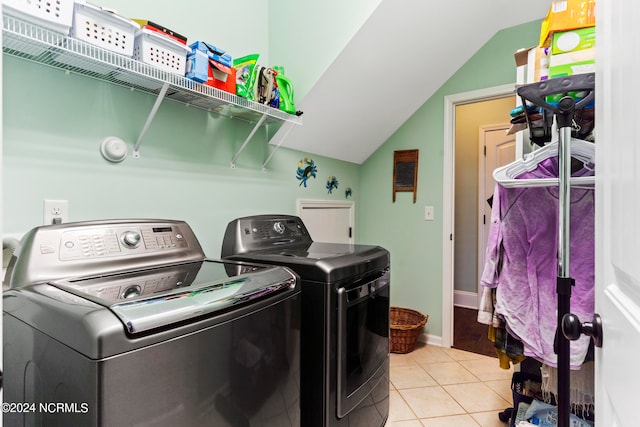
x,y
565,282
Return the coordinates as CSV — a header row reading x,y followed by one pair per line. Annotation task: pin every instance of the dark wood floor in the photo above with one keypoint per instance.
x,y
470,335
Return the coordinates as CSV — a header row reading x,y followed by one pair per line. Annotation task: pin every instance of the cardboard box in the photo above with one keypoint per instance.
x,y
521,57
212,52
572,69
567,15
541,64
568,41
221,77
536,60
571,63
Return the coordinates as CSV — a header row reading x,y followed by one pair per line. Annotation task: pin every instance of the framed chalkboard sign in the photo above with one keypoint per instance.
x,y
405,172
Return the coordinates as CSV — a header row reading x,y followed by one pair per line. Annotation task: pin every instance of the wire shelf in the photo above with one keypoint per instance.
x,y
29,41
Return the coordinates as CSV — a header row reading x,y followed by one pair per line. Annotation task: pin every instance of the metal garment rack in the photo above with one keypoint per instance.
x,y
569,326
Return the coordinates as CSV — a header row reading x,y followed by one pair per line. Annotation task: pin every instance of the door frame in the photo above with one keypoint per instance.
x,y
330,204
448,196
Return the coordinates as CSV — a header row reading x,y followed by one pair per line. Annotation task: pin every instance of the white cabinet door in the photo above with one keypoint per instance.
x,y
328,221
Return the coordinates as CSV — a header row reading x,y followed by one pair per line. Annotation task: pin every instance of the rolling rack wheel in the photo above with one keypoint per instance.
x,y
564,110
506,415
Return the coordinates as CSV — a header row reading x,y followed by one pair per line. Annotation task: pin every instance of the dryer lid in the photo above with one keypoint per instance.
x,y
284,240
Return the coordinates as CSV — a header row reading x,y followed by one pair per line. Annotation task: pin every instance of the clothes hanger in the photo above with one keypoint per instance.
x,y
581,150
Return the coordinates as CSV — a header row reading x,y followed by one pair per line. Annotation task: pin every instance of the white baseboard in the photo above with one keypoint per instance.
x,y
465,299
433,340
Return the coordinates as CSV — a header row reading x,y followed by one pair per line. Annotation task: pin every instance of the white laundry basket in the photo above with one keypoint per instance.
x,y
56,15
103,28
160,51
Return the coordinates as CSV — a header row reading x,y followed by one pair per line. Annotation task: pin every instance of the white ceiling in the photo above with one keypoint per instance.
x,y
405,51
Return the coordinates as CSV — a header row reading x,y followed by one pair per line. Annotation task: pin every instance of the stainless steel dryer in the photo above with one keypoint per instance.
x,y
345,317
126,323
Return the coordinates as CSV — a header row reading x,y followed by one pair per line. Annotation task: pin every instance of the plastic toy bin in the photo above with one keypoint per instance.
x,y
161,51
103,28
56,15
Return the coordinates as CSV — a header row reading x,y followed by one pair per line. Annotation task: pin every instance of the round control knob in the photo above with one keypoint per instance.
x,y
131,239
132,292
278,227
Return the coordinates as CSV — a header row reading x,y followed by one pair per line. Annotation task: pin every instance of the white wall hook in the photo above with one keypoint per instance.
x,y
113,149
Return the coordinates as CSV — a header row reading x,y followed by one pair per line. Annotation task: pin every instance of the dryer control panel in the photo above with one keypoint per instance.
x,y
99,247
262,232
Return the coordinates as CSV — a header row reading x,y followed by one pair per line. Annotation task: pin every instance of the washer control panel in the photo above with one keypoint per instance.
x,y
94,243
77,249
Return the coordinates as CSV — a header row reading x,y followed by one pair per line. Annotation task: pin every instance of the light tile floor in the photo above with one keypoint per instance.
x,y
445,387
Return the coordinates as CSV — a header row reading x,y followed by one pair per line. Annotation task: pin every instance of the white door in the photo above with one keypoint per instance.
x,y
496,149
618,212
328,221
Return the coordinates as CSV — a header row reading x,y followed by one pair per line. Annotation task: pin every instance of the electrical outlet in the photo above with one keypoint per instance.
x,y
428,213
55,211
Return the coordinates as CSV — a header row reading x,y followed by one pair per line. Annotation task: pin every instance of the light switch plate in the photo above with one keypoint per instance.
x,y
428,213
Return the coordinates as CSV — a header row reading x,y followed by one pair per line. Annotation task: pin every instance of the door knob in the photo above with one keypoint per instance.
x,y
572,328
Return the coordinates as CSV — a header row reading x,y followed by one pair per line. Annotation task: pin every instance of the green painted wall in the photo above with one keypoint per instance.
x,y
416,244
54,124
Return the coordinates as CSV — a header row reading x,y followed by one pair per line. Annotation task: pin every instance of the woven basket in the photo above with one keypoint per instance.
x,y
405,325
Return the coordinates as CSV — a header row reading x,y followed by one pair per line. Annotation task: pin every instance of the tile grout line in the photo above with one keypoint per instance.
x,y
421,363
408,406
456,400
460,403
404,400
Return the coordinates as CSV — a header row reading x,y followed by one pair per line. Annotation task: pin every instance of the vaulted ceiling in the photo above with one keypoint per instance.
x,y
403,53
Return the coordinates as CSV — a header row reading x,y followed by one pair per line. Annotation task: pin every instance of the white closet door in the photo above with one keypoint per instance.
x,y
496,149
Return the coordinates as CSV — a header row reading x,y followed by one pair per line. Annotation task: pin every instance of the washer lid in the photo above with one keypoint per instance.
x,y
149,299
